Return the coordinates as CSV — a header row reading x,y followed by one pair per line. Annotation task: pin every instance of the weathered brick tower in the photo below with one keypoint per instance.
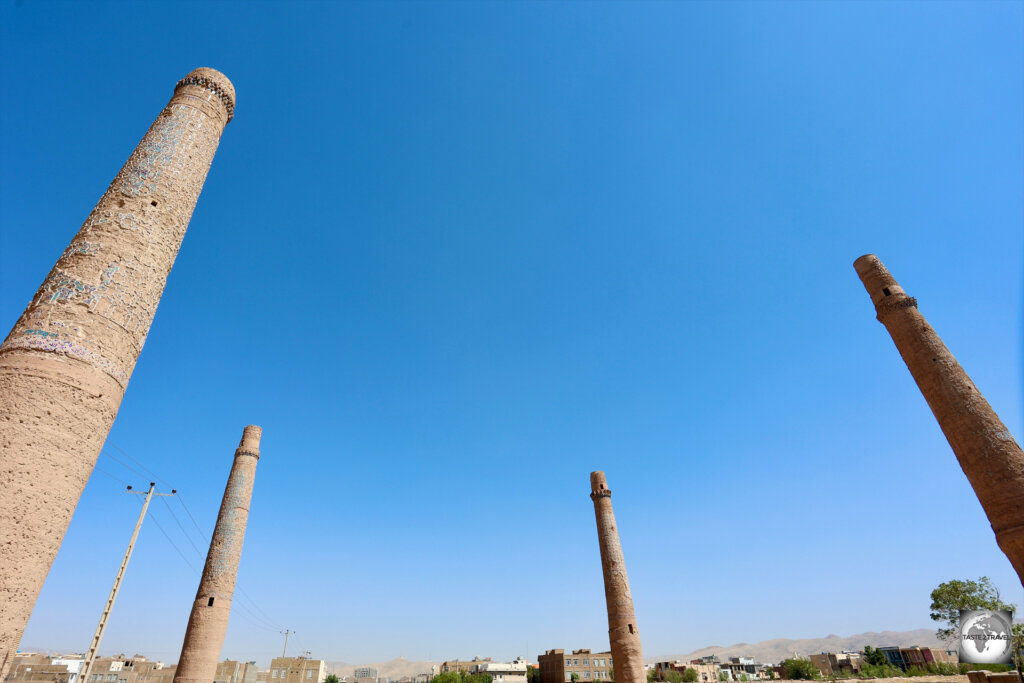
x,y
627,658
988,454
65,365
209,619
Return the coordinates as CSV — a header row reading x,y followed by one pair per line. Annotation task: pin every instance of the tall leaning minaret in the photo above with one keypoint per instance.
x,y
988,454
209,619
65,365
627,658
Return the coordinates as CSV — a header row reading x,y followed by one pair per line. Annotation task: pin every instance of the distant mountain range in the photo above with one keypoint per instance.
x,y
774,651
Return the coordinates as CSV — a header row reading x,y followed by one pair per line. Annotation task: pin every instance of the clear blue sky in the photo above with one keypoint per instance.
x,y
453,257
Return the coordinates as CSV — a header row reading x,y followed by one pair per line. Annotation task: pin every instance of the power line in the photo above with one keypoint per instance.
x,y
181,554
155,475
103,471
176,521
202,536
251,616
256,605
124,464
245,616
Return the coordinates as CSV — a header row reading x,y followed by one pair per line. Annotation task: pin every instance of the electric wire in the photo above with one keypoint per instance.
x,y
124,464
202,536
245,614
205,539
178,522
103,471
154,474
173,545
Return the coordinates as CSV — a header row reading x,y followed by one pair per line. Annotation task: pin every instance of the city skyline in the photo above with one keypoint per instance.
x,y
453,258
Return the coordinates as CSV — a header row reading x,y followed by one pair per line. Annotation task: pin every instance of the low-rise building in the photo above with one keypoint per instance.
x,y
921,657
834,663
37,668
706,673
297,670
230,671
32,666
502,672
461,665
557,666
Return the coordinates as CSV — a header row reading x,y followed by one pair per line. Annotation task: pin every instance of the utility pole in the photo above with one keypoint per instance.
x,y
284,652
90,656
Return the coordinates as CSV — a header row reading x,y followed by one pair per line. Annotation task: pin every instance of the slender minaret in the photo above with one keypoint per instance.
x,y
65,365
209,619
988,454
627,659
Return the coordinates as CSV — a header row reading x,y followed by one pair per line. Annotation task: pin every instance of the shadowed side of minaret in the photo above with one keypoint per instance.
x,y
208,622
623,634
66,363
987,452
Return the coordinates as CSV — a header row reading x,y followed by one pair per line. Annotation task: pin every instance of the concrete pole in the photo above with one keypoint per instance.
x,y
988,453
65,365
97,638
209,619
624,637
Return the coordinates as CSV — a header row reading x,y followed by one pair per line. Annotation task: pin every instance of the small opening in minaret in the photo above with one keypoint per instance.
x,y
153,202
210,603
631,628
884,291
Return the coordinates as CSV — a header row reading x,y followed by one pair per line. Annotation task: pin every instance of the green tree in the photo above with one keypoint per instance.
x,y
651,675
874,656
690,676
575,677
1017,643
332,679
532,674
447,677
672,676
800,670
722,676
744,678
952,596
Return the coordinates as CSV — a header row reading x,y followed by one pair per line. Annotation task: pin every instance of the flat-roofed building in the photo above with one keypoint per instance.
x,y
120,669
557,666
462,665
706,673
297,670
503,672
832,663
230,671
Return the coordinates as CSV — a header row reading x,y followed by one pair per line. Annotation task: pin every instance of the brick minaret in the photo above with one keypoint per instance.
x,y
988,454
65,365
627,659
209,619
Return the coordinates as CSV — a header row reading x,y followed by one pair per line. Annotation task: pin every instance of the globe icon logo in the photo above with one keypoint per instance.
x,y
985,636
